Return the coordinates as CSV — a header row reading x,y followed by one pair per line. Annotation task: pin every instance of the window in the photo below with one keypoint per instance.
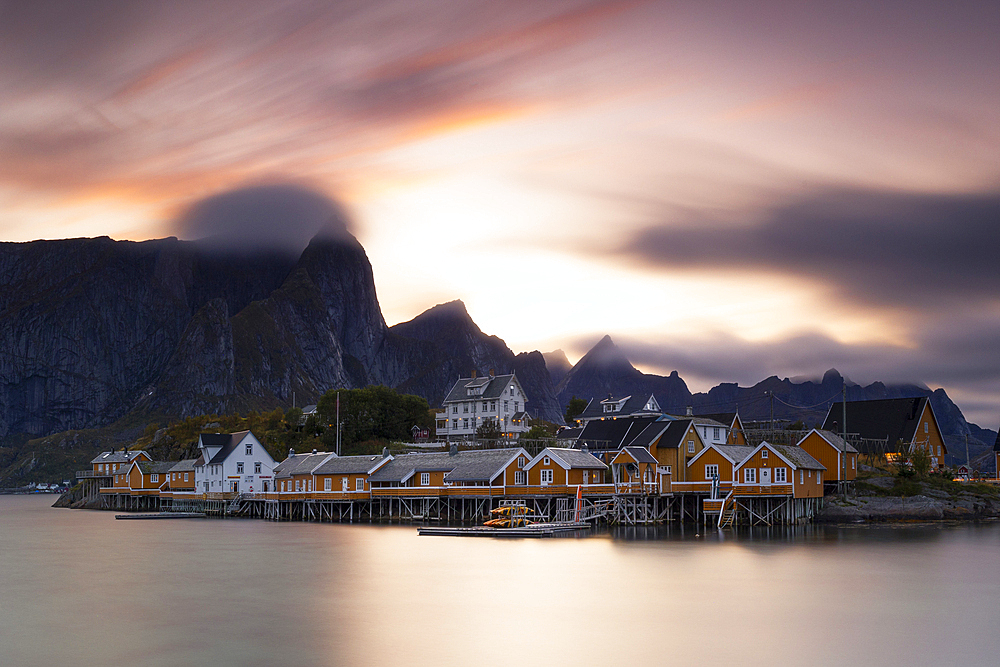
x,y
667,470
249,449
154,478
780,475
853,462
465,423
939,450
493,406
506,406
256,467
819,476
298,485
456,423
690,446
282,485
763,453
711,471
359,484
425,479
716,433
239,467
516,408
520,477
465,408
327,484
802,477
547,476
520,461
484,406
749,475
546,460
454,409
925,428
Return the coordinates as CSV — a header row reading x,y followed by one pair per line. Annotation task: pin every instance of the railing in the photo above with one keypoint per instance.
x,y
407,492
90,474
226,495
762,490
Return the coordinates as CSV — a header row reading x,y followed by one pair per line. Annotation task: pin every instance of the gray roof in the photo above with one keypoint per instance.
x,y
707,421
575,458
464,466
117,456
494,388
155,467
347,465
184,465
799,457
482,465
834,440
569,433
640,454
735,453
300,464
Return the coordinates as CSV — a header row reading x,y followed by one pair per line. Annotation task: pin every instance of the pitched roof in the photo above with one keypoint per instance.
x,y
570,433
184,465
649,435
890,419
799,457
834,439
640,454
402,467
155,467
605,435
228,442
725,418
673,436
735,453
116,456
300,464
348,465
493,388
483,464
574,458
630,405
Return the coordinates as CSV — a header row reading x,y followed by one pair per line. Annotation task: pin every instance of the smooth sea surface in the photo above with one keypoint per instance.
x,y
80,588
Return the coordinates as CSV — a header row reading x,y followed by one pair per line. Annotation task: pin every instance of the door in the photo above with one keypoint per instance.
x,y
236,486
343,484
765,477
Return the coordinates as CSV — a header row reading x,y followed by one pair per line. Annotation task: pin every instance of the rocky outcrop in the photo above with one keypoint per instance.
x,y
912,508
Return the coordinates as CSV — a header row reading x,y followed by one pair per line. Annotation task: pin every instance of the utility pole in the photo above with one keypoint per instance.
x,y
843,420
338,423
771,394
968,461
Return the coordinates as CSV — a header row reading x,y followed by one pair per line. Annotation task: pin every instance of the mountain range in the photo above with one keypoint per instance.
x,y
94,330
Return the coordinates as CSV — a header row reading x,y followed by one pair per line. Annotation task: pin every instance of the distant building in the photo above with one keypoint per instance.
x,y
615,407
910,421
477,400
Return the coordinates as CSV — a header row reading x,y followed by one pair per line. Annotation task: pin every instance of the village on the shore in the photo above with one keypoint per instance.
x,y
624,461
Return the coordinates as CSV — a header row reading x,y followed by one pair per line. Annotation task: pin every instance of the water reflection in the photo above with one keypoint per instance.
x,y
79,587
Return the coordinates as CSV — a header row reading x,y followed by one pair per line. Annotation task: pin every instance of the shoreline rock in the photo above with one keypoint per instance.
x,y
878,509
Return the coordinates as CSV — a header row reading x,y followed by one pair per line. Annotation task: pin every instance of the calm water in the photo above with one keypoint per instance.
x,y
80,588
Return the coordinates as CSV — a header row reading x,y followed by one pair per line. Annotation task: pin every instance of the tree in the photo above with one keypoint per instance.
x,y
574,408
372,413
536,432
488,430
921,460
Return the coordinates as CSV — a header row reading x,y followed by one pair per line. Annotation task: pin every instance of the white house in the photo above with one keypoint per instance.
x,y
233,462
476,400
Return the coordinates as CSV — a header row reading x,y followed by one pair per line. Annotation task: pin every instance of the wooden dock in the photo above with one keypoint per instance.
x,y
163,515
533,530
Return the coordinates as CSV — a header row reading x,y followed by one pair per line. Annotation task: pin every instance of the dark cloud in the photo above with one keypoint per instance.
x,y
877,248
959,353
278,216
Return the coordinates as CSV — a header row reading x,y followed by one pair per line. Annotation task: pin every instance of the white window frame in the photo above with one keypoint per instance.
x,y
239,467
802,477
546,461
520,462
153,477
749,475
359,484
781,475
425,479
249,449
691,446
520,477
328,484
711,468
763,453
546,476
256,467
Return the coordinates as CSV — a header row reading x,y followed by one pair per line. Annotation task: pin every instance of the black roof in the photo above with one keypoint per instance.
x,y
674,434
228,442
889,419
602,435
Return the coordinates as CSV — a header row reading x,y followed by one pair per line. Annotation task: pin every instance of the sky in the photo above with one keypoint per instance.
x,y
731,190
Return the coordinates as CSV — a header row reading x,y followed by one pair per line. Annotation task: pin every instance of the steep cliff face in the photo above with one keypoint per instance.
x,y
457,347
606,370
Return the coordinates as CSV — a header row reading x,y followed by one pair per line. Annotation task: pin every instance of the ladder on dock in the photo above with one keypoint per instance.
x,y
235,505
727,513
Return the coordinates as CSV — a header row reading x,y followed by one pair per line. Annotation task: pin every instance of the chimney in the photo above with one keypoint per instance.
x,y
453,450
689,412
291,452
585,449
493,372
314,450
385,452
